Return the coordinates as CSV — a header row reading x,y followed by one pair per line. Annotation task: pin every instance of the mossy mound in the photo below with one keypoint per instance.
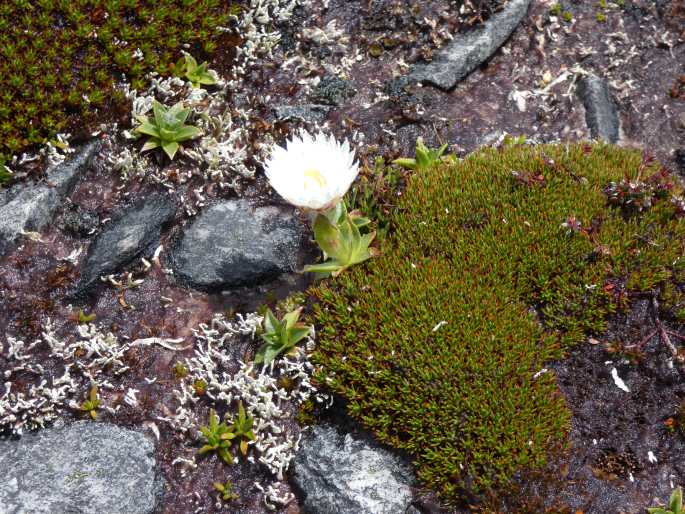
x,y
497,265
59,59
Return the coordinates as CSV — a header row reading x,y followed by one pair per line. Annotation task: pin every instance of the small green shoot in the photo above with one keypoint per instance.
x,y
242,428
226,490
218,438
510,140
180,371
675,504
84,318
92,403
337,234
280,336
425,157
197,74
167,128
5,175
200,387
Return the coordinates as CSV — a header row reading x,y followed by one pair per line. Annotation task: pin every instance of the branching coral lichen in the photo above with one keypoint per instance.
x,y
228,382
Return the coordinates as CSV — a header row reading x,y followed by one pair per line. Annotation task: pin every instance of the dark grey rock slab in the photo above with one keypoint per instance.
x,y
601,115
469,50
338,474
133,233
82,468
233,243
310,113
32,206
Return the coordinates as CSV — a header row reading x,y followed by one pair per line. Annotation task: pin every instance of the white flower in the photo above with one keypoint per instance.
x,y
312,171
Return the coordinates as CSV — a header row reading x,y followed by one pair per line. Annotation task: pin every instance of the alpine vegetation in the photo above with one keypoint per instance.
x,y
315,172
167,128
496,265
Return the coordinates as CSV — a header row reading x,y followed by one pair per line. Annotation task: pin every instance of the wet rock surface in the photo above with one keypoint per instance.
x,y
30,207
600,109
234,243
339,474
624,444
468,51
88,468
132,234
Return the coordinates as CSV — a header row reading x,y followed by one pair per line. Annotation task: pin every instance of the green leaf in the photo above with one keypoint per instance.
x,y
676,501
337,213
170,148
5,175
330,266
327,236
186,132
266,354
150,144
159,111
291,318
148,129
206,449
191,63
298,333
225,455
360,221
270,322
260,356
178,113
406,163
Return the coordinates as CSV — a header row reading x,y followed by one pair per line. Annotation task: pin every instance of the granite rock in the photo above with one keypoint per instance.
x,y
82,468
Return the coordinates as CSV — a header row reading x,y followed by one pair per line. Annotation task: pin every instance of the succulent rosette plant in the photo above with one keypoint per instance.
x,y
314,172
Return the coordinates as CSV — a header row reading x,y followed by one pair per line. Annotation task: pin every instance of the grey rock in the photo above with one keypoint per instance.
x,y
338,474
601,116
311,113
136,231
468,51
81,468
32,206
233,244
333,90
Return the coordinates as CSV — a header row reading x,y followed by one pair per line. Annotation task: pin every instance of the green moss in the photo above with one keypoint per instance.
x,y
55,52
436,344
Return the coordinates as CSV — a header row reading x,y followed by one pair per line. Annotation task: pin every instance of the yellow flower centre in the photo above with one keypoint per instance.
x,y
313,177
